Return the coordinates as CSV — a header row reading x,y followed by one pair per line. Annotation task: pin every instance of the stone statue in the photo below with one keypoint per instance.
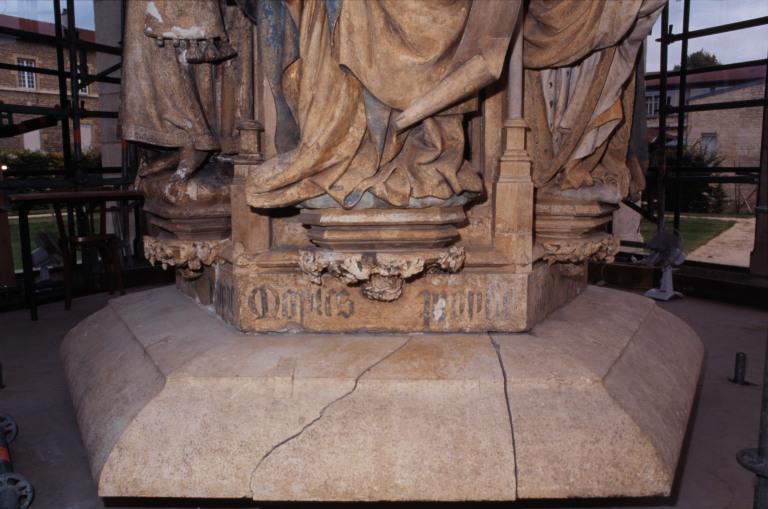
x,y
376,93
580,73
402,167
410,148
371,97
183,92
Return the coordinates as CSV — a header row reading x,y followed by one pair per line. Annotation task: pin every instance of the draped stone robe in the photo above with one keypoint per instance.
x,y
375,93
186,82
370,96
170,99
581,58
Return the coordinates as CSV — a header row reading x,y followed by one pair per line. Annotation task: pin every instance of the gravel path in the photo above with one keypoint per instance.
x,y
731,247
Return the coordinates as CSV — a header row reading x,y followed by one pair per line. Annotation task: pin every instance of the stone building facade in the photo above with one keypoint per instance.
x,y
34,89
733,134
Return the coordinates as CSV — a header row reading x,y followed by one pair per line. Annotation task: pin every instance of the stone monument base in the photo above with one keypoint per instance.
x,y
173,402
473,300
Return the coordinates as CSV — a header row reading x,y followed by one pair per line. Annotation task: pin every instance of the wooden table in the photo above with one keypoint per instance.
x,y
24,203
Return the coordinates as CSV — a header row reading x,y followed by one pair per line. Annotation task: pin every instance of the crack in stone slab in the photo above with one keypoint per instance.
x,y
323,410
497,348
625,347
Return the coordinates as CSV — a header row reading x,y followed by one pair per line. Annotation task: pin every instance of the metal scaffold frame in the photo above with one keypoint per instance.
x,y
72,74
671,179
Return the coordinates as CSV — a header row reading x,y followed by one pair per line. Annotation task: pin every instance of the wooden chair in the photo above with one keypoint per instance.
x,y
107,244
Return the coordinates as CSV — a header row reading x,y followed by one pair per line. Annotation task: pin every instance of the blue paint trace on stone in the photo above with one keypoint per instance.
x,y
332,10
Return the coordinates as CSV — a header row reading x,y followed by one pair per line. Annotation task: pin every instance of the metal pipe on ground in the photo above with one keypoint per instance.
x,y
756,460
15,490
740,369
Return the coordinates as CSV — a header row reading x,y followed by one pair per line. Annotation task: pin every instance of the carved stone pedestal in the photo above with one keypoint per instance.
x,y
469,301
571,231
172,402
380,249
186,239
167,221
383,229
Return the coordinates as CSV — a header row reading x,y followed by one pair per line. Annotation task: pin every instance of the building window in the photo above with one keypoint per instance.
x,y
86,137
709,142
31,141
652,105
26,78
84,89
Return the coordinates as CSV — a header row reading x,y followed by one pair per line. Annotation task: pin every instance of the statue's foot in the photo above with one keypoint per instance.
x,y
163,163
179,187
175,190
190,160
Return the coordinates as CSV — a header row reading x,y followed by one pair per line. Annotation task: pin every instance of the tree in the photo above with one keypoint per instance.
x,y
696,195
700,59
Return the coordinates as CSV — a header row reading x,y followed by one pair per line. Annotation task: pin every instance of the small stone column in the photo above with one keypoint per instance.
x,y
514,188
250,230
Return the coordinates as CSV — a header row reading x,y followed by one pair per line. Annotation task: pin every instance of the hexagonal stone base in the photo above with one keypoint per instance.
x,y
172,402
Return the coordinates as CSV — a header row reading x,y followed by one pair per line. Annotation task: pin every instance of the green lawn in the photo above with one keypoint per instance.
x,y
695,231
709,215
38,222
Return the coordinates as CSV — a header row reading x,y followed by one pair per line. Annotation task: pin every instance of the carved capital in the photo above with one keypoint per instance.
x,y
189,256
382,274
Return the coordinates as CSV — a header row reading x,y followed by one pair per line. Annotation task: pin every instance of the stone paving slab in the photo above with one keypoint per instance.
x,y
731,247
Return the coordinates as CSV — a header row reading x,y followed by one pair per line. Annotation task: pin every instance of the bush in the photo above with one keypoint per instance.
x,y
23,161
26,161
695,195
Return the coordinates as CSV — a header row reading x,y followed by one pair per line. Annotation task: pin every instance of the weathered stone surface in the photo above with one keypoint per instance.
x,y
183,405
427,423
600,399
188,256
110,380
369,268
468,301
487,178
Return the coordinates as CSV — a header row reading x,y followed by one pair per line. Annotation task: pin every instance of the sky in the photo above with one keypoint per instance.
x,y
750,44
42,10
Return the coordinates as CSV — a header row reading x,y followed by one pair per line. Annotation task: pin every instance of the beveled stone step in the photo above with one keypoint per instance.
x,y
172,402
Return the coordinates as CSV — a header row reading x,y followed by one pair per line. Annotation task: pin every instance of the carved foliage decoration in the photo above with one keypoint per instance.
x,y
595,248
382,274
189,256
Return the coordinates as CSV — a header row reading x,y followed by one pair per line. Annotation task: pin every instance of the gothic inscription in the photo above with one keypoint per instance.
x,y
440,305
266,301
465,305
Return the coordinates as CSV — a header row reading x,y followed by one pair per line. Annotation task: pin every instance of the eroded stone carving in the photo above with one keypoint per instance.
x,y
188,256
382,274
380,151
404,143
580,91
188,94
596,248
